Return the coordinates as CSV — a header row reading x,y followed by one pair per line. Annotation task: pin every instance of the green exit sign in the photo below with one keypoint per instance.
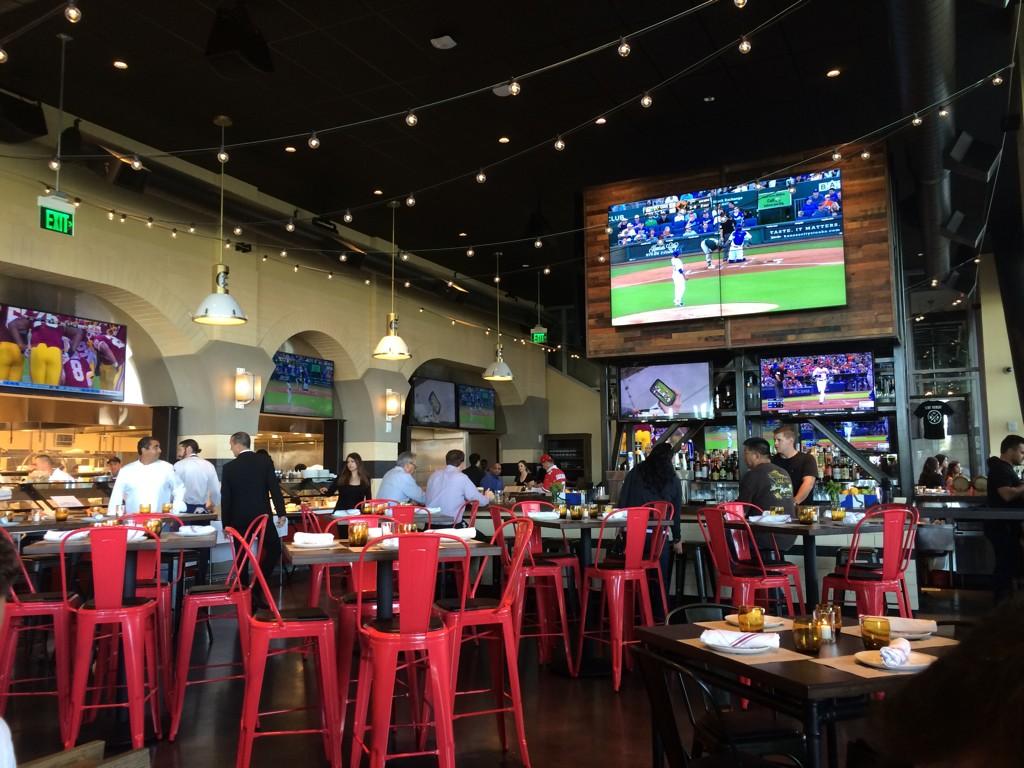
x,y
56,215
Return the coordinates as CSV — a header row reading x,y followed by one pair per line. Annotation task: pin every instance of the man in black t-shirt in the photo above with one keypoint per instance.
x,y
767,486
1005,489
802,468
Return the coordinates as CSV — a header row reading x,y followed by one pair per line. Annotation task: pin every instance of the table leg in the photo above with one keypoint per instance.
x,y
812,732
833,745
810,571
385,588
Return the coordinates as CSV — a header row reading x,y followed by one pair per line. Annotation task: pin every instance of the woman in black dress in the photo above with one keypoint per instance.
x,y
352,485
524,475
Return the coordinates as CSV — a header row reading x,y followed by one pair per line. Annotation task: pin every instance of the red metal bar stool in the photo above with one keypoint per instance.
x,y
312,626
653,563
614,578
737,510
198,606
870,585
493,620
418,633
743,580
406,513
134,619
30,604
309,522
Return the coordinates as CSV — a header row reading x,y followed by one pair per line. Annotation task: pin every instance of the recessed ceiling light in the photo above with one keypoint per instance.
x,y
443,43
119,64
378,192
600,121
834,72
289,149
526,266
463,234
504,139
709,99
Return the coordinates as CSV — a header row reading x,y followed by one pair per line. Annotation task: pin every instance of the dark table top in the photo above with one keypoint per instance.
x,y
802,679
169,542
822,528
341,553
47,523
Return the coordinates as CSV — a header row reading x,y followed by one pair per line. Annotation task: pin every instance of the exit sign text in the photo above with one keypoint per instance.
x,y
56,215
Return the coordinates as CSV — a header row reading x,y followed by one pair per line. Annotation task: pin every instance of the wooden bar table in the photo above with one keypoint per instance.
x,y
807,689
340,553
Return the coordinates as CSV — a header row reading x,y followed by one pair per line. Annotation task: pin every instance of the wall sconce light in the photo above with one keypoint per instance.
x,y
248,387
392,407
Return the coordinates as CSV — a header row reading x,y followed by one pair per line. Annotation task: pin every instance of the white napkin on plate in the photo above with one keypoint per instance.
x,y
852,518
196,530
725,637
544,514
303,539
617,515
901,626
345,512
896,653
770,519
136,535
58,535
463,533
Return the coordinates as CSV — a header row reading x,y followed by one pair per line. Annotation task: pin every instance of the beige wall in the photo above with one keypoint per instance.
x,y
574,408
1001,398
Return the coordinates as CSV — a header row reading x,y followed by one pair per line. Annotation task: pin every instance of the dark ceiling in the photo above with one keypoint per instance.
x,y
338,61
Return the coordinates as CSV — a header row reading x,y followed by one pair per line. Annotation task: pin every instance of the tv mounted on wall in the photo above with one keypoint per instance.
x,y
664,392
819,383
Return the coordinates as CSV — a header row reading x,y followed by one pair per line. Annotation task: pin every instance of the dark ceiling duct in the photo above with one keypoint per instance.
x,y
923,37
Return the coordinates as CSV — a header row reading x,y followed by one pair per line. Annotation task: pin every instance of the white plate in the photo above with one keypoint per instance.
x,y
314,545
738,651
345,512
915,662
911,635
769,621
770,519
197,530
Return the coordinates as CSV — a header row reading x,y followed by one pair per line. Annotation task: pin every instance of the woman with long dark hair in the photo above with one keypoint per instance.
x,y
930,475
524,474
352,485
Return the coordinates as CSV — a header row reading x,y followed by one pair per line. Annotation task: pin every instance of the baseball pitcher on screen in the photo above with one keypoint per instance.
x,y
820,376
678,278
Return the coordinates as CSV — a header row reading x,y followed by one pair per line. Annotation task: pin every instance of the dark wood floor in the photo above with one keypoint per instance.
x,y
569,722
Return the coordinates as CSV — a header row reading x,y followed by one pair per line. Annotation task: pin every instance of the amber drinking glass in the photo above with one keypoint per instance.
x,y
807,513
838,514
145,509
166,508
807,634
154,526
563,510
60,514
576,513
406,528
358,533
750,618
874,632
594,511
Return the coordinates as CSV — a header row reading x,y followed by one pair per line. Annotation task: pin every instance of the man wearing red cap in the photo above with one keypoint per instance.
x,y
552,474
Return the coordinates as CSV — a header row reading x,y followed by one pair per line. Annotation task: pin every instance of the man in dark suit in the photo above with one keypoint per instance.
x,y
247,487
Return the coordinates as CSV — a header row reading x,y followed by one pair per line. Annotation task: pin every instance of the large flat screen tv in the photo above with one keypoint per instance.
x,y
769,246
662,392
52,353
832,383
300,386
433,403
871,435
476,407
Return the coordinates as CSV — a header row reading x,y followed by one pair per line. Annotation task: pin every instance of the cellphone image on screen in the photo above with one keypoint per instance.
x,y
435,404
665,394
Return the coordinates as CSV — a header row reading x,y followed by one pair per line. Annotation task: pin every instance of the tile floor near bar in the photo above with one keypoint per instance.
x,y
569,722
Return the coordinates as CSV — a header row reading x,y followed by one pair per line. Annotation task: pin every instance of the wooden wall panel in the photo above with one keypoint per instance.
x,y
870,303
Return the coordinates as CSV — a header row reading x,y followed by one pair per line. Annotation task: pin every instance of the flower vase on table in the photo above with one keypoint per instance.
x,y
557,492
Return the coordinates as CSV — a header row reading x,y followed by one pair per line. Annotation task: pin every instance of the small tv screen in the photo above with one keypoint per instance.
x,y
433,403
833,383
871,435
769,246
476,407
53,353
720,439
661,392
300,386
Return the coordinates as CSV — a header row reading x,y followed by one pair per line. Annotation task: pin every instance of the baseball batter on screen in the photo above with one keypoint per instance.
x,y
678,277
820,375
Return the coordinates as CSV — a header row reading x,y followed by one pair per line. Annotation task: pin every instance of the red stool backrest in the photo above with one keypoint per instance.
x,y
523,509
668,512
406,513
736,511
311,522
108,546
246,555
148,563
495,511
711,521
637,520
899,527
253,537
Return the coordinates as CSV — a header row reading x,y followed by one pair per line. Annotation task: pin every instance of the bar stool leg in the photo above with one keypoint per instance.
x,y
512,664
385,663
259,645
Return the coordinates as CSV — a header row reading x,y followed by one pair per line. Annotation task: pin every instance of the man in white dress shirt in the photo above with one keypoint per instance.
x,y
399,484
202,486
147,481
44,465
449,489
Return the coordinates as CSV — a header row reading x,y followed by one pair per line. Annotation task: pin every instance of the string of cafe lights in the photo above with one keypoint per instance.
x,y
72,13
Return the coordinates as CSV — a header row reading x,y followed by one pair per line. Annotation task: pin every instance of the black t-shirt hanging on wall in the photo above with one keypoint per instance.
x,y
932,413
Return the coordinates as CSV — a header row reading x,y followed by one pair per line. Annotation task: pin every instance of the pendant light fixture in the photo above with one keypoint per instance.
x,y
498,370
220,307
391,346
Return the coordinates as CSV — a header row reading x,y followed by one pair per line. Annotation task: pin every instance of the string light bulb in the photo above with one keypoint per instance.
x,y
54,164
237,231
410,201
411,119
865,155
265,257
174,234
343,258
290,226
916,121
313,141
284,254
47,189
836,155
223,156
624,48
404,256
538,243
601,259
547,270
191,229
347,218
740,3
3,56
607,229
559,144
408,284
997,80
646,101
514,88
72,12
470,252
295,268
149,223
481,177
744,46
330,275
944,112
227,244
124,218
110,215
77,202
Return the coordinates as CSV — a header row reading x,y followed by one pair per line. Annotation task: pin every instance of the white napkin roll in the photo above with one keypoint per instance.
x,y
544,514
617,515
303,539
58,535
770,519
901,626
852,518
896,653
463,533
136,535
197,530
727,637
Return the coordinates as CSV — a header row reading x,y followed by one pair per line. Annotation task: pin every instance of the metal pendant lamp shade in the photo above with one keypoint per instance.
x,y
220,307
391,346
498,370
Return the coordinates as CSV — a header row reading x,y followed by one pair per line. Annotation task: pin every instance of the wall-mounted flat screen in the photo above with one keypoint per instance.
x,y
832,383
662,392
871,435
720,439
770,246
300,386
433,403
476,407
62,354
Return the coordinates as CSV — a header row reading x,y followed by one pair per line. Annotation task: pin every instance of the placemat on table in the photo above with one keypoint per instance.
x,y
850,664
787,625
768,657
935,641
